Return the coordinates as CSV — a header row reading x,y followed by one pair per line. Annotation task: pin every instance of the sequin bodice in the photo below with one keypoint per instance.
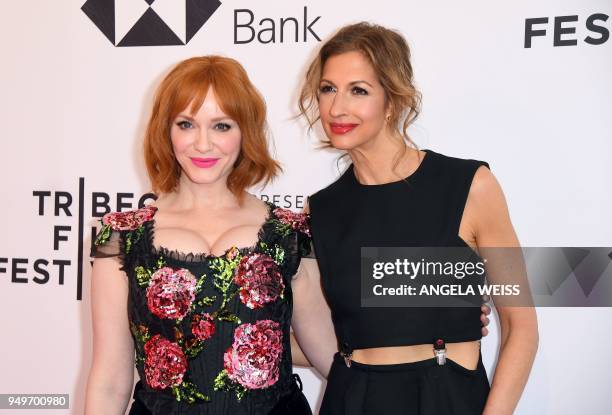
x,y
211,333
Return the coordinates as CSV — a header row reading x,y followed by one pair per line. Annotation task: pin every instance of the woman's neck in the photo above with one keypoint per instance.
x,y
195,196
384,160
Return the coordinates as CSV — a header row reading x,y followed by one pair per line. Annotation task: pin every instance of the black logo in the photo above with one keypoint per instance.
x,y
140,22
563,30
270,30
68,208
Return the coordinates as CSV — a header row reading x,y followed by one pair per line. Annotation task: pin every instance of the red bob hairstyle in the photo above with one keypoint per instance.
x,y
188,82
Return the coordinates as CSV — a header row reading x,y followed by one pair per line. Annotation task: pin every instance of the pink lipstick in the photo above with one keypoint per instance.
x,y
341,128
204,163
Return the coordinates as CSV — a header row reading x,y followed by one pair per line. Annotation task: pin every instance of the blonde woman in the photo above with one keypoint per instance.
x,y
360,86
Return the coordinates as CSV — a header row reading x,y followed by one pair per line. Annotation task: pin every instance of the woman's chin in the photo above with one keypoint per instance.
x,y
342,143
205,178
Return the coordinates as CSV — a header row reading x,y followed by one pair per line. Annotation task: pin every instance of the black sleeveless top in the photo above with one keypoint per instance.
x,y
425,210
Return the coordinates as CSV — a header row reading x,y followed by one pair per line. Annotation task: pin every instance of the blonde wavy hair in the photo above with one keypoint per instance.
x,y
389,54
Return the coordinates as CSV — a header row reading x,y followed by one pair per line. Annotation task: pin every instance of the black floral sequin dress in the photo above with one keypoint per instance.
x,y
211,333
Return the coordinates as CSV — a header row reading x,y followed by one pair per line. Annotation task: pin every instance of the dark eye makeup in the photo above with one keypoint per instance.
x,y
222,126
356,90
184,124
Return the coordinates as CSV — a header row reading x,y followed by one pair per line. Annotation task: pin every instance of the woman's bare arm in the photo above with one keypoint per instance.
x,y
312,323
519,331
111,377
298,358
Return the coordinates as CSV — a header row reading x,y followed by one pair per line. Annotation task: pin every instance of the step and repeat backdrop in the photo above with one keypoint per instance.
x,y
523,85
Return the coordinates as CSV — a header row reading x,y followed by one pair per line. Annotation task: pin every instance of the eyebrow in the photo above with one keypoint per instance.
x,y
351,83
215,119
187,117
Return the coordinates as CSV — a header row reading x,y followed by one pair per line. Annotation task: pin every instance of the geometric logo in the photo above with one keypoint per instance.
x,y
149,22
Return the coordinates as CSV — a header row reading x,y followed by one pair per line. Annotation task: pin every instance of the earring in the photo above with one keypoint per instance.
x,y
388,117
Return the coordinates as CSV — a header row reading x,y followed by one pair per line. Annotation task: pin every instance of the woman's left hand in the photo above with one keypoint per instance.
x,y
486,310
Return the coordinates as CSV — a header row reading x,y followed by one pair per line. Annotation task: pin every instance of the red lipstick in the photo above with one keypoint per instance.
x,y
341,128
204,163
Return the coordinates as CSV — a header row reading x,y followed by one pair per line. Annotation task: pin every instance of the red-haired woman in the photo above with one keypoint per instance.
x,y
360,86
196,289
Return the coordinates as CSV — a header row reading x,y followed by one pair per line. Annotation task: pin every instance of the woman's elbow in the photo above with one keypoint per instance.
x,y
106,394
110,382
522,326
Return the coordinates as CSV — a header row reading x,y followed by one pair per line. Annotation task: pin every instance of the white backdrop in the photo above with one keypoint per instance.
x,y
74,106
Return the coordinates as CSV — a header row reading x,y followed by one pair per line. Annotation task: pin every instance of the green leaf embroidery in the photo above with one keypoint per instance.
x,y
132,237
282,228
207,301
104,235
231,318
194,348
224,383
188,392
128,242
143,276
279,255
224,276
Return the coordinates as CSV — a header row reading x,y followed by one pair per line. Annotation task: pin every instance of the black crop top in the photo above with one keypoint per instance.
x,y
423,210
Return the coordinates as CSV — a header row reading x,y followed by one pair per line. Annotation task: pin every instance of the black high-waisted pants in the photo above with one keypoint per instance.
x,y
418,388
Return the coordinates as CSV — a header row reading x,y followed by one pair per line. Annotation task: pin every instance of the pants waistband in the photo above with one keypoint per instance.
x,y
395,367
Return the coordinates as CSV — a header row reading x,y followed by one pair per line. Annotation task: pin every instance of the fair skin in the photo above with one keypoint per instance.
x,y
350,94
111,376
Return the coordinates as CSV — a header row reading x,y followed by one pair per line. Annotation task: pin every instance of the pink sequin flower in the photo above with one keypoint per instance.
x,y
259,279
165,363
171,292
129,221
202,326
297,221
253,360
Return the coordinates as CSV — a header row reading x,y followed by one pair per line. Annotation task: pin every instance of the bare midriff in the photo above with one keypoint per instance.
x,y
464,353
